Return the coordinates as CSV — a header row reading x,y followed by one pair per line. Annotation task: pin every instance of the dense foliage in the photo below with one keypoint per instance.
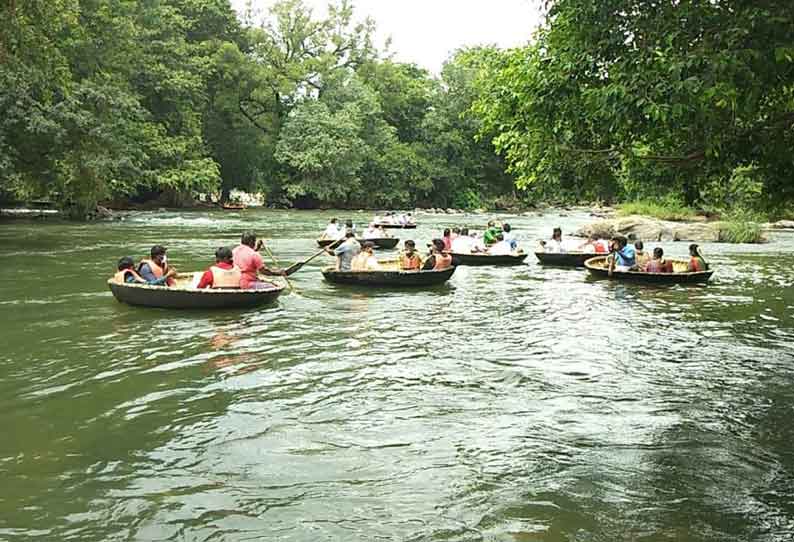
x,y
692,100
107,99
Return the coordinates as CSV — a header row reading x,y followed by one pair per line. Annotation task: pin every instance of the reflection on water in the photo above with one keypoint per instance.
x,y
516,404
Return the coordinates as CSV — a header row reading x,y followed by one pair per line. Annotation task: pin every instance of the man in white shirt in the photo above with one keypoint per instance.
x,y
372,232
332,231
501,247
462,243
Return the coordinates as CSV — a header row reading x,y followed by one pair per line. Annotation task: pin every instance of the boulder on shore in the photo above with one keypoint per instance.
x,y
652,229
784,225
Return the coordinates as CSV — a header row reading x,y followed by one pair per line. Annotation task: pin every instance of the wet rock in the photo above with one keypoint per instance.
x,y
646,229
700,232
784,225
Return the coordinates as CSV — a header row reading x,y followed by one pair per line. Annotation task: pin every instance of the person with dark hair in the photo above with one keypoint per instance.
x,y
490,233
455,234
346,252
509,236
156,267
127,274
595,244
409,257
332,231
247,259
696,260
658,264
349,227
438,259
447,238
623,254
640,255
366,260
223,274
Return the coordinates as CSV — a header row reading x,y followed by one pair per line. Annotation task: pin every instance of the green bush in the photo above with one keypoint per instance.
x,y
743,226
663,209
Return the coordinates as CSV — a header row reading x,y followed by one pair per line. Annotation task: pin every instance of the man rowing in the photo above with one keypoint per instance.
x,y
247,258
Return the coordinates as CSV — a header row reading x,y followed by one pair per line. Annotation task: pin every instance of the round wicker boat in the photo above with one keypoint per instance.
x,y
380,242
183,296
599,267
389,276
488,259
564,259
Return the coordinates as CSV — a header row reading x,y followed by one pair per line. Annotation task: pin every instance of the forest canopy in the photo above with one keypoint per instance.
x,y
689,101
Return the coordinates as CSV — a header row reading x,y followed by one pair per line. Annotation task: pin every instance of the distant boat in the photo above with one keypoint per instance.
x,y
598,267
394,226
233,206
564,259
483,258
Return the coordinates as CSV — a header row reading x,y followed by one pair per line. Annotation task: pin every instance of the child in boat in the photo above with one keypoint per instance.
x,y
640,255
366,261
128,275
696,260
658,264
509,236
438,259
223,274
409,258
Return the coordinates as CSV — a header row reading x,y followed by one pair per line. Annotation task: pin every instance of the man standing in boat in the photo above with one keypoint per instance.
x,y
246,257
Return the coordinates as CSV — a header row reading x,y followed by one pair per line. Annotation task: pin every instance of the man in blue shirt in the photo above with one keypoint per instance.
x,y
624,254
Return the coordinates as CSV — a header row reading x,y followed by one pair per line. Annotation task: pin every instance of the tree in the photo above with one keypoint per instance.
x,y
657,96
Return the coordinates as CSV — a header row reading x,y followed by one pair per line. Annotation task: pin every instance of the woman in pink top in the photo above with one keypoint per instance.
x,y
250,263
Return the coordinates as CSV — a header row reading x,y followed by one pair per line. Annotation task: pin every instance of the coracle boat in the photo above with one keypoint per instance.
x,y
488,259
183,296
380,242
232,206
393,226
389,275
599,267
564,259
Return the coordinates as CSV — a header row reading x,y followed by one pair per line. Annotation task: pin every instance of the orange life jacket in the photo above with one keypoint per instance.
x,y
226,278
443,261
121,276
158,271
410,263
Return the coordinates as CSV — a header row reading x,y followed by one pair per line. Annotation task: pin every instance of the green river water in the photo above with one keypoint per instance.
x,y
512,404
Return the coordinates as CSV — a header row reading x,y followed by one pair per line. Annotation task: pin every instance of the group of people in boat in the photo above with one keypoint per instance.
x,y
352,255
239,267
399,219
335,232
626,256
496,240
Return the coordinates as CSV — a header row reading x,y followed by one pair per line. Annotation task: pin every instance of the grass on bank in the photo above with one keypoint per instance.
x,y
662,209
742,226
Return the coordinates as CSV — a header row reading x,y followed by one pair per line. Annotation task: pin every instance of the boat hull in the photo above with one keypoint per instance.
x,y
596,267
485,259
411,279
564,259
397,226
191,298
381,242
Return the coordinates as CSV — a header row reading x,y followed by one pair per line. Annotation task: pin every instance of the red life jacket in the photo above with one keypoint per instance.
x,y
443,261
158,271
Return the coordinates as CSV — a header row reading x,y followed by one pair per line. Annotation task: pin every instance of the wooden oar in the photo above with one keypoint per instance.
x,y
275,262
612,258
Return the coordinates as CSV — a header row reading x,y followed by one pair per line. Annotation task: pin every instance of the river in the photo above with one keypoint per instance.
x,y
512,404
